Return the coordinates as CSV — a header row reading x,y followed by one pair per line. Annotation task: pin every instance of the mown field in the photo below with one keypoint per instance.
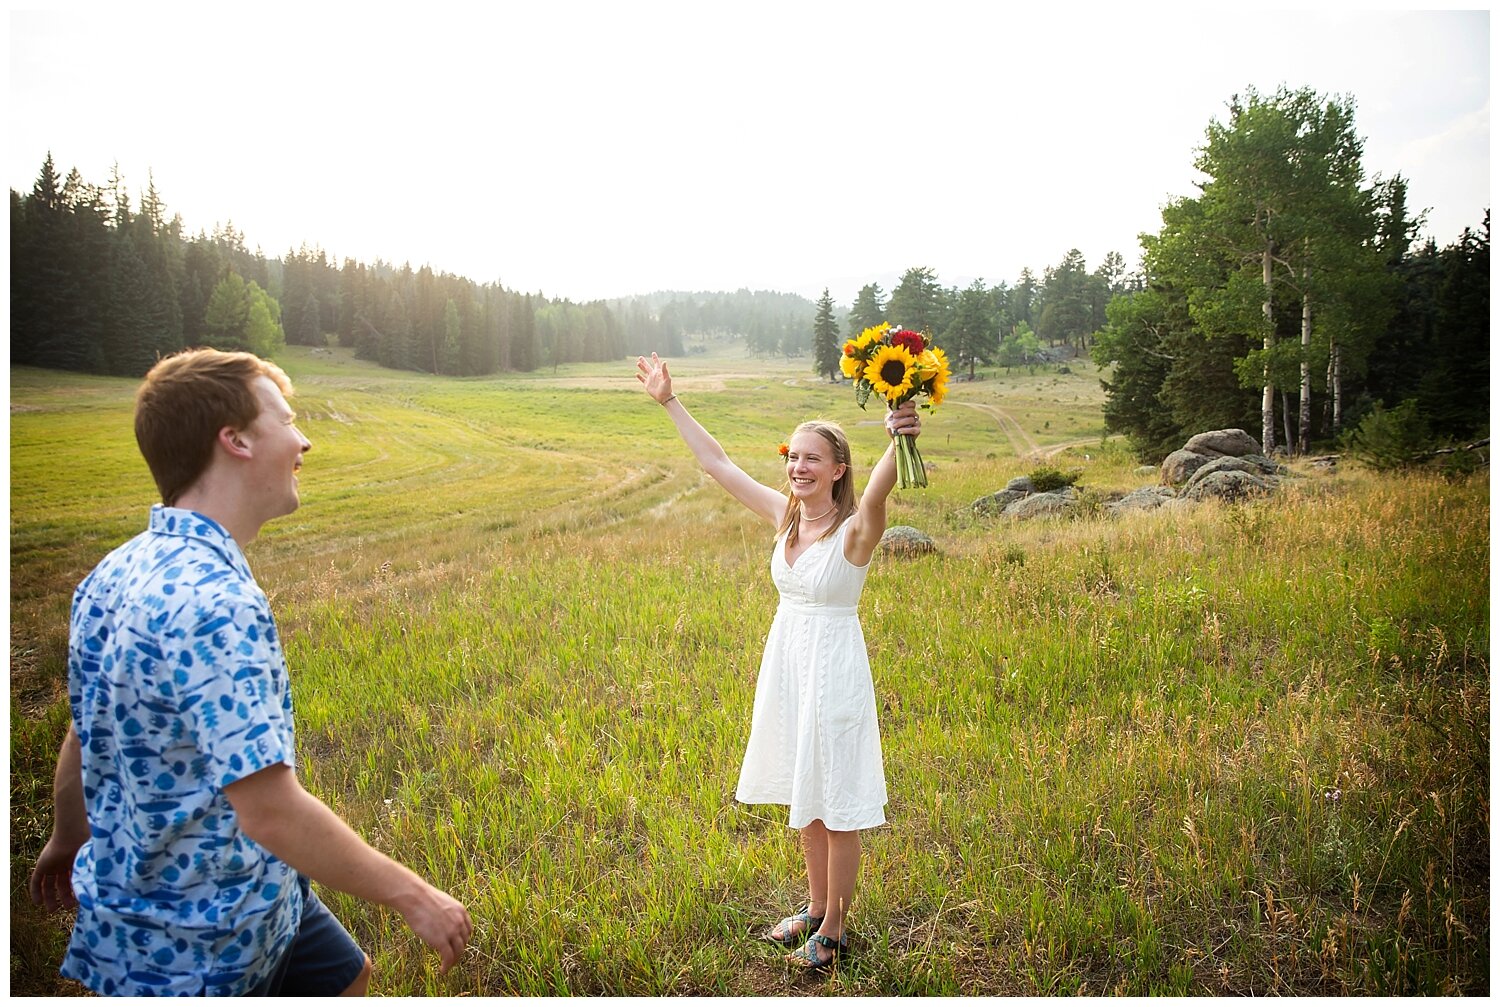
x,y
1221,750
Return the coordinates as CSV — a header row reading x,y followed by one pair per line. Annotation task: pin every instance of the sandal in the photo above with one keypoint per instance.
x,y
789,936
807,956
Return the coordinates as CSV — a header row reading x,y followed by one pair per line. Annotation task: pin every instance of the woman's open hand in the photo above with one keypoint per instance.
x,y
654,375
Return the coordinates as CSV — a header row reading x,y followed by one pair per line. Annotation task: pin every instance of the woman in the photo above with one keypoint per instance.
x,y
814,742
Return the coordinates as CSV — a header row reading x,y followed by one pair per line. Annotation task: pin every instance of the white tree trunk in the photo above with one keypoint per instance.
x,y
1336,365
1268,400
1304,407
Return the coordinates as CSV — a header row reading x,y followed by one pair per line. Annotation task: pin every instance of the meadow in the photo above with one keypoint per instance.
x,y
1219,750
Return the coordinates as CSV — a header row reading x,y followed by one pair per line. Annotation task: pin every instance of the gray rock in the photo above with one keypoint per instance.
x,y
1146,470
1180,465
1324,462
1218,443
1021,483
1265,464
1226,464
904,540
1038,504
1231,485
1145,498
996,502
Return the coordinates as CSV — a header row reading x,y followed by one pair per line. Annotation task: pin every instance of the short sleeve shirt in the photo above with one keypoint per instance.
x,y
178,688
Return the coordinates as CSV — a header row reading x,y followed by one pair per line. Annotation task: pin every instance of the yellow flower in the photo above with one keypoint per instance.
x,y
870,335
851,366
891,372
939,387
927,365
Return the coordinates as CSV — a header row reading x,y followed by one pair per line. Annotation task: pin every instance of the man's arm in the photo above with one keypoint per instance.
x,y
52,879
277,813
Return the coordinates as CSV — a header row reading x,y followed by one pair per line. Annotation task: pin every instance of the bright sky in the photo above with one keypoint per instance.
x,y
604,149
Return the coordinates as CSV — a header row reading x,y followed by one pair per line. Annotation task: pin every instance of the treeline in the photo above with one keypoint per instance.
x,y
770,323
101,285
1287,298
983,324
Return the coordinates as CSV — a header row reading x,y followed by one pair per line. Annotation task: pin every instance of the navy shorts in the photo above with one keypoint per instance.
x,y
323,960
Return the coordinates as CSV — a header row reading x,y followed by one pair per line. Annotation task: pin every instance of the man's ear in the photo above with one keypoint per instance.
x,y
234,442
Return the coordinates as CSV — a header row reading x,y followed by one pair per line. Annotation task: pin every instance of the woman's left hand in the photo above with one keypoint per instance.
x,y
903,420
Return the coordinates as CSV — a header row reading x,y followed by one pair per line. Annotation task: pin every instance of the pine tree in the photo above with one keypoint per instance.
x,y
227,313
1067,314
42,284
868,310
825,339
130,331
971,336
917,302
452,327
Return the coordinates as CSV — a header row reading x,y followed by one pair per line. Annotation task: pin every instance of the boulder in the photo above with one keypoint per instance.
x,y
1230,485
1145,498
1265,464
1038,504
1218,443
1227,463
904,540
1022,484
1180,465
1146,470
996,502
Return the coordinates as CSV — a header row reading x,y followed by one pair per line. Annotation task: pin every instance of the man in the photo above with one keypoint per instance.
x,y
181,832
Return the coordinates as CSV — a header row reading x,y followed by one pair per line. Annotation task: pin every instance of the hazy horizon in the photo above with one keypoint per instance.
x,y
592,152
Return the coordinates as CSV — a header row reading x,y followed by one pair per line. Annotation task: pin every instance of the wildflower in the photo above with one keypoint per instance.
x,y
891,373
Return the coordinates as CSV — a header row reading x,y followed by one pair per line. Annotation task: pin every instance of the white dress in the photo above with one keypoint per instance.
x,y
814,740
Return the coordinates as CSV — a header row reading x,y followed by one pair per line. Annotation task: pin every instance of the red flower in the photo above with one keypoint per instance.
x,y
909,339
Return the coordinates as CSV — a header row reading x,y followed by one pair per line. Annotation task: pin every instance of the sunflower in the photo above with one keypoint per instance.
x,y
939,388
870,335
892,373
933,366
851,366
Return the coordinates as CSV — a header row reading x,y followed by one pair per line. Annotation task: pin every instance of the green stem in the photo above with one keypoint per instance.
x,y
910,471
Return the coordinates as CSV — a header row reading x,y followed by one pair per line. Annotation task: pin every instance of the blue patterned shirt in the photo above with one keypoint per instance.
x,y
178,687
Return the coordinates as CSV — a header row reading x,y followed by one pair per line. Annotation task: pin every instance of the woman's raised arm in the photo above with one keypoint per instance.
x,y
869,520
759,498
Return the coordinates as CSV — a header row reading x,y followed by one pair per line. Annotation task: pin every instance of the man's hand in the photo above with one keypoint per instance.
x,y
440,920
52,878
51,882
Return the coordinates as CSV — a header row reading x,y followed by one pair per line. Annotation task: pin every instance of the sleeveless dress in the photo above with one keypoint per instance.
x,y
814,740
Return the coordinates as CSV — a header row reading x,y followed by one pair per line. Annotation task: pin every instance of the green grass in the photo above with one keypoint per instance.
x,y
1220,750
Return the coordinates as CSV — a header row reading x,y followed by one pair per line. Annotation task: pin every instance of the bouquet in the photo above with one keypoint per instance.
x,y
898,365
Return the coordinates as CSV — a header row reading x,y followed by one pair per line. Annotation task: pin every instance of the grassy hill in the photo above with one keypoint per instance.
x,y
1223,750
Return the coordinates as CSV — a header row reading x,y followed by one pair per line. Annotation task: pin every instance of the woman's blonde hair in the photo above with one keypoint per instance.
x,y
843,488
